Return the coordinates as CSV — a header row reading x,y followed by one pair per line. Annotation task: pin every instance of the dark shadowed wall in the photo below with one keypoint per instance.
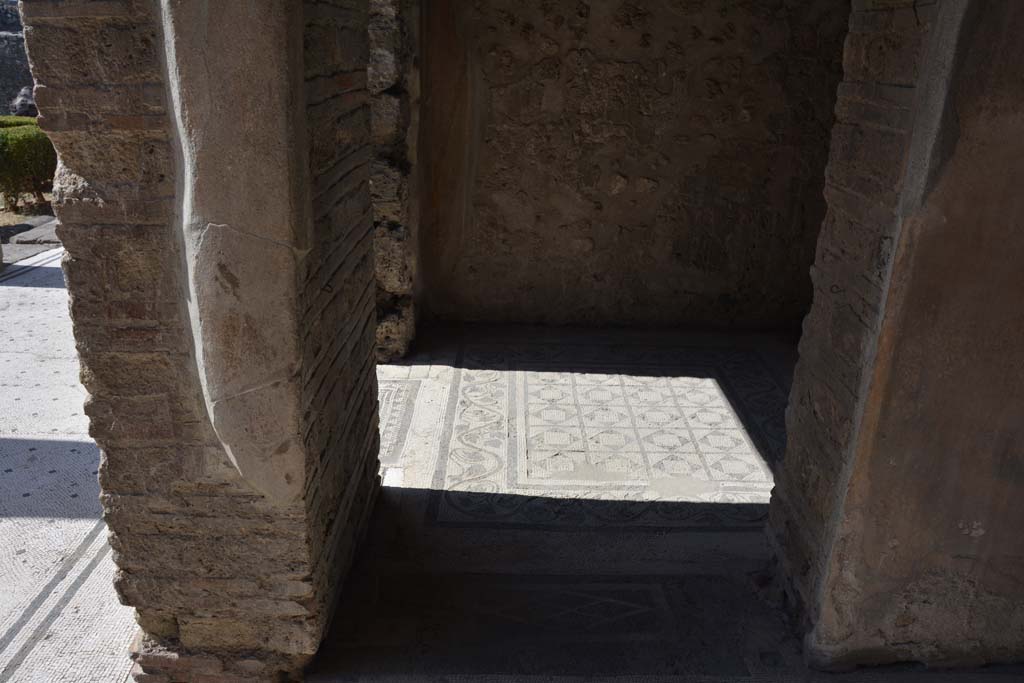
x,y
626,162
927,552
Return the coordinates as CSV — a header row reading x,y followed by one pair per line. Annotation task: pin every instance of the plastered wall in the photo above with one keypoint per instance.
x,y
625,162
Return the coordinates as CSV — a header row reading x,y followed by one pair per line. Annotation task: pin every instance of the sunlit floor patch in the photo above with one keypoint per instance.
x,y
576,419
577,504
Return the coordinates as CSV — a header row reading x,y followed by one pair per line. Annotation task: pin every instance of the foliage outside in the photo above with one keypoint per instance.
x,y
14,121
27,160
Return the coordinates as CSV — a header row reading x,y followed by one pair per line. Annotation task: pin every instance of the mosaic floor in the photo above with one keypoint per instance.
x,y
577,506
602,422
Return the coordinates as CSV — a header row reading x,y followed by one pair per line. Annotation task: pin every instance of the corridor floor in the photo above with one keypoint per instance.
x,y
576,506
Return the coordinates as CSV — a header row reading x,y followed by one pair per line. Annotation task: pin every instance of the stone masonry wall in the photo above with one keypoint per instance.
x,y
227,584
863,181
393,83
626,162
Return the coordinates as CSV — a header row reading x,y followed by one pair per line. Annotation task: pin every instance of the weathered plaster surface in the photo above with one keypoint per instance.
x,y
927,556
625,162
870,142
243,229
547,199
897,513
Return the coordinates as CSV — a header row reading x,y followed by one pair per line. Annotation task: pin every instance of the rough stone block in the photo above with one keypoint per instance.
x,y
91,51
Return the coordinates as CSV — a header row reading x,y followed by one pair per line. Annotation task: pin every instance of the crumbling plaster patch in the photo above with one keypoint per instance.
x,y
625,162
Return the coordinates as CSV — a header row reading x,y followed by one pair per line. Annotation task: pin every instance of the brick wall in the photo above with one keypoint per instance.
x,y
870,141
339,378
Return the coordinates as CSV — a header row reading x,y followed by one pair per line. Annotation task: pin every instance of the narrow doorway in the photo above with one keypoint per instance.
x,y
607,235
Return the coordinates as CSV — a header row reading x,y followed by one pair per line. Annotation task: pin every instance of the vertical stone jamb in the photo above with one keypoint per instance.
x,y
339,380
870,140
926,544
237,425
896,516
393,82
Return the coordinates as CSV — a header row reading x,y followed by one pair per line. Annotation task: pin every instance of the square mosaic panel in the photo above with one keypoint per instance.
x,y
622,427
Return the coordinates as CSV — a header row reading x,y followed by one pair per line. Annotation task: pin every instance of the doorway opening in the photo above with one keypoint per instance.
x,y
571,502
576,472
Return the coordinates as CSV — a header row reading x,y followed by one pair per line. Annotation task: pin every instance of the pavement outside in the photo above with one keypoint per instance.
x,y
59,617
558,506
29,236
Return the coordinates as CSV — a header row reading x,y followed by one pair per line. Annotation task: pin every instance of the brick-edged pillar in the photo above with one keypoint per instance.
x,y
870,140
898,511
394,88
214,204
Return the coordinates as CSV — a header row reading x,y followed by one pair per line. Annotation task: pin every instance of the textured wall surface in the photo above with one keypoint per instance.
x,y
14,73
228,583
863,180
538,152
647,162
393,83
896,515
927,553
339,374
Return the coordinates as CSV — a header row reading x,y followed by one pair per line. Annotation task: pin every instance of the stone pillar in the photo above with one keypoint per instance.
x,y
393,79
897,513
870,139
214,203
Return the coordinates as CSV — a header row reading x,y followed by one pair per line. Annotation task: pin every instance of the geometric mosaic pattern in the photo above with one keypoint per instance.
x,y
60,620
590,428
546,519
538,424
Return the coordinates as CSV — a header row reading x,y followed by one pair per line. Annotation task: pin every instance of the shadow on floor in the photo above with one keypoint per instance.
x,y
593,579
48,276
431,601
519,585
49,478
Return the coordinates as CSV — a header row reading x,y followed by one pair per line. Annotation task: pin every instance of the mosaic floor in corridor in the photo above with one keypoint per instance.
x,y
561,507
601,421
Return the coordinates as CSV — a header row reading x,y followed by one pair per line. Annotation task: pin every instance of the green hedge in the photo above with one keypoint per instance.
x,y
27,159
13,121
